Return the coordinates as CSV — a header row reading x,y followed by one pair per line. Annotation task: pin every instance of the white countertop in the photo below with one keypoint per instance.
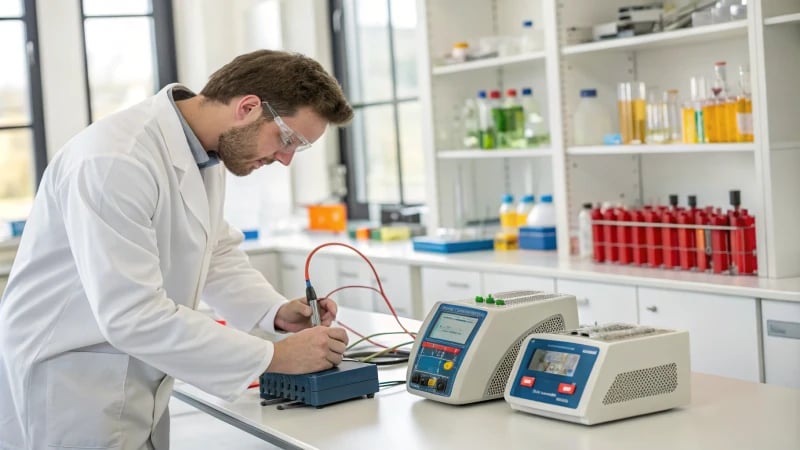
x,y
541,263
723,414
531,262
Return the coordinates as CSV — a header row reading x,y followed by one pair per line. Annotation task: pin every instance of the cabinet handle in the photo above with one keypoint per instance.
x,y
348,275
652,308
289,266
582,300
453,284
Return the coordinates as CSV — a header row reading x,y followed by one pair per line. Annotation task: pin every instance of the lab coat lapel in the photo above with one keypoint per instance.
x,y
193,190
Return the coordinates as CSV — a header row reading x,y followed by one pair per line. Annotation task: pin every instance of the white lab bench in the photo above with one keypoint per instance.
x,y
724,414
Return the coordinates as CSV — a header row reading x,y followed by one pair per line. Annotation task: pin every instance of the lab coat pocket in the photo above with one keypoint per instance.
x,y
85,397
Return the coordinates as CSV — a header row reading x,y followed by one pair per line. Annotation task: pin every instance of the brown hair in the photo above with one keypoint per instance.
x,y
287,81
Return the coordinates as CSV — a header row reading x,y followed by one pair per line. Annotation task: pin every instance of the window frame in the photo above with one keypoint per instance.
x,y
36,125
347,138
166,64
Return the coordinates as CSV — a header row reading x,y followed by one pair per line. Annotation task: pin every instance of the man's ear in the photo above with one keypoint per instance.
x,y
247,107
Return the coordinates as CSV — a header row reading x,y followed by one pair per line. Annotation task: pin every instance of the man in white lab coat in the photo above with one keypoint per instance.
x,y
126,235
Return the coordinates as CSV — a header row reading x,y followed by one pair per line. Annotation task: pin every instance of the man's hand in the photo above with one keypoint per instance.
x,y
296,314
310,350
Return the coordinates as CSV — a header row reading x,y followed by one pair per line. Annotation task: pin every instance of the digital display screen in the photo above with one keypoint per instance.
x,y
559,363
453,327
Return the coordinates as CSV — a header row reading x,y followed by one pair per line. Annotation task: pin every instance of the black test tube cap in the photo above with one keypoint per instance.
x,y
692,201
735,198
673,200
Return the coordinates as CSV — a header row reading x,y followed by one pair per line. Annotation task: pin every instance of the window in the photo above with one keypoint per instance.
x,y
22,146
375,60
129,52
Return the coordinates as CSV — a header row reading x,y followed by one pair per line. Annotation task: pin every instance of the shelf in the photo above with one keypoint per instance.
x,y
495,154
487,63
664,39
786,18
645,149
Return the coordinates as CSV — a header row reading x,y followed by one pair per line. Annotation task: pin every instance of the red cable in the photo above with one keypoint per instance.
x,y
379,290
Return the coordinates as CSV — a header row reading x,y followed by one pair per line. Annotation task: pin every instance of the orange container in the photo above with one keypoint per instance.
x,y
332,217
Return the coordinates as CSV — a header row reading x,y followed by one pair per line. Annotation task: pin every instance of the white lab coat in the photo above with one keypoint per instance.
x,y
124,237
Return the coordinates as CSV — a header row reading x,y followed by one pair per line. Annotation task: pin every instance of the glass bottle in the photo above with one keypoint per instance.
x,y
671,116
625,111
744,108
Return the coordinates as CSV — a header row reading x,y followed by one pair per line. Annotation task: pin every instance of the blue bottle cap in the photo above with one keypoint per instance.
x,y
508,198
527,199
481,94
527,23
589,93
527,91
547,198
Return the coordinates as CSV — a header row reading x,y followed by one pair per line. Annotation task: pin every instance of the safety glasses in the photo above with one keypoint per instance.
x,y
292,141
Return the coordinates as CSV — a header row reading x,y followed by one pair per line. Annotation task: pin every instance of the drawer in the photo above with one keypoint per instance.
x,y
781,328
600,303
448,284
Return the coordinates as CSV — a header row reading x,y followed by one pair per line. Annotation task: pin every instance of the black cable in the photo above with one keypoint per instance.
x,y
392,383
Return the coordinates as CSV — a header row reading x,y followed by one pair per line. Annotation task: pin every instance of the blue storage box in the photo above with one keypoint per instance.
x,y
440,245
537,238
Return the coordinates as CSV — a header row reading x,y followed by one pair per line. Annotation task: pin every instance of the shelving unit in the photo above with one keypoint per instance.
x,y
680,37
488,63
495,154
646,149
764,170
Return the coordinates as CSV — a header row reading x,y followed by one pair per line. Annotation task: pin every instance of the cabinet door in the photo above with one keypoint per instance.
x,y
292,274
497,282
268,264
781,342
448,284
354,272
723,330
400,286
600,303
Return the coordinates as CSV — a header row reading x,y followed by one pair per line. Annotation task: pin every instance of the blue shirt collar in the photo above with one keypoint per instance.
x,y
203,158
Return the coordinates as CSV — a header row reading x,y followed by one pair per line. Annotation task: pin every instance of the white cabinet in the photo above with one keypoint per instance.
x,y
354,272
723,331
269,265
498,282
292,274
781,325
600,303
448,284
401,284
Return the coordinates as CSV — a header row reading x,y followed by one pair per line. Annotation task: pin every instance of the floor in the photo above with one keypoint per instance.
x,y
191,429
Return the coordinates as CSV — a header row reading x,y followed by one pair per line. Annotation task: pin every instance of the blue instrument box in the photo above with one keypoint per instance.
x,y
439,245
346,381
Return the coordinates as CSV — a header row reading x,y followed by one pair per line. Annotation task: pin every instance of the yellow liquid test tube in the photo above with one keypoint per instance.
x,y
689,132
730,120
710,121
744,120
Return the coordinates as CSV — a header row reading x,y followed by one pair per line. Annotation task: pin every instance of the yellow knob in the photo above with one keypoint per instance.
x,y
447,365
431,382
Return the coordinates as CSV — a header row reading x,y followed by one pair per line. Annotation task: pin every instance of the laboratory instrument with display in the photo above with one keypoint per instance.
x,y
465,349
596,374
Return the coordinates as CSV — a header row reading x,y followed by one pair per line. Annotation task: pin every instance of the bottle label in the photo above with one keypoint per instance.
x,y
744,123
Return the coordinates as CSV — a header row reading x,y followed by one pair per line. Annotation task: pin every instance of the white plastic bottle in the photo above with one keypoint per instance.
x,y
585,248
591,120
524,208
543,214
531,39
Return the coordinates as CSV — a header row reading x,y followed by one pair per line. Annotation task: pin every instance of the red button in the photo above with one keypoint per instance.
x,y
527,381
565,388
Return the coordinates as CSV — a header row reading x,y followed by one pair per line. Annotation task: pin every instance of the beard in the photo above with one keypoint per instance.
x,y
238,148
